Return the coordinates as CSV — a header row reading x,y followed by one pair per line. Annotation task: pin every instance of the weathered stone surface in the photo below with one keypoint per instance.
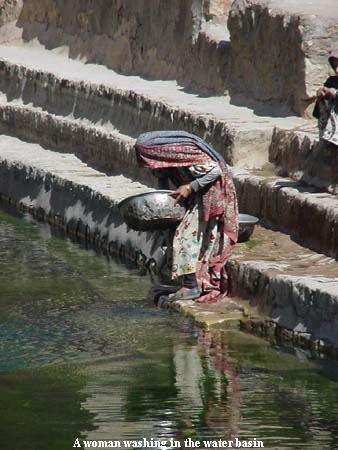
x,y
105,99
111,151
304,158
279,49
74,197
9,10
125,110
152,38
311,217
296,287
296,303
83,202
188,41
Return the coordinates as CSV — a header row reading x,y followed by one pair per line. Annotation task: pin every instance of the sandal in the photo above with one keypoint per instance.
x,y
189,294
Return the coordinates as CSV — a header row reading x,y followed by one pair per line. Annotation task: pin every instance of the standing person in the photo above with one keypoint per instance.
x,y
326,108
204,240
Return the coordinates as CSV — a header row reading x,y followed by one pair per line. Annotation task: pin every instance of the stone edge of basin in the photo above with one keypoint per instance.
x,y
56,200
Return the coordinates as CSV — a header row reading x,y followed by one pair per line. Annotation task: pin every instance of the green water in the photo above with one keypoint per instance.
x,y
84,354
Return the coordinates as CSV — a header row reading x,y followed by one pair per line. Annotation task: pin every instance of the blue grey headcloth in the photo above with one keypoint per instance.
x,y
173,137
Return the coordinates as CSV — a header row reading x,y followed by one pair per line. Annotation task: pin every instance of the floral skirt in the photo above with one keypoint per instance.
x,y
203,248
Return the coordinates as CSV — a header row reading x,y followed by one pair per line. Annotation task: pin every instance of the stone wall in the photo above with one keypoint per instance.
x,y
151,38
305,158
279,57
9,10
81,212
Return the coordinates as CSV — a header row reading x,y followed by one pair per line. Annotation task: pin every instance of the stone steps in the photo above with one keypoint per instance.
x,y
295,286
309,216
82,119
88,110
132,105
99,146
61,189
300,155
268,269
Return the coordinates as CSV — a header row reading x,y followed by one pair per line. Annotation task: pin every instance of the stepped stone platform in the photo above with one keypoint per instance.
x,y
310,216
268,269
73,89
69,126
299,154
52,100
280,49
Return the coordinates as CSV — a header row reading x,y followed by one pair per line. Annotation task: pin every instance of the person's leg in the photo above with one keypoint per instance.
x,y
190,281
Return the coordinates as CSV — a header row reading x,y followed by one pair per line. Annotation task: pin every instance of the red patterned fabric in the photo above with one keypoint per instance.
x,y
170,155
219,203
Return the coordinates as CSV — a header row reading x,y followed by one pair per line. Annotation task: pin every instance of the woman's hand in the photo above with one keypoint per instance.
x,y
325,92
182,192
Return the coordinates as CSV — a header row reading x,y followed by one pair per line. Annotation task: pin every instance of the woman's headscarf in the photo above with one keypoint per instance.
x,y
333,57
159,149
163,149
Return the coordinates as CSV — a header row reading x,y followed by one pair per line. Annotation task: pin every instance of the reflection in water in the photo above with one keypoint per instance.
x,y
84,354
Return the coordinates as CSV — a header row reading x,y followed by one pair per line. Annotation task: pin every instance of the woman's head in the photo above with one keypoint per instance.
x,y
333,60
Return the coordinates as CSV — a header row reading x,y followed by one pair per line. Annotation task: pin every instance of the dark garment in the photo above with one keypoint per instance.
x,y
190,280
331,82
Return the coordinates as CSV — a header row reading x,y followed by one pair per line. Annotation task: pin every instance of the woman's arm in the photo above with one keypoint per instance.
x,y
203,174
209,177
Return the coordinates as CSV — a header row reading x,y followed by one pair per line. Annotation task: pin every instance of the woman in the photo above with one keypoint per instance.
x,y
326,108
205,238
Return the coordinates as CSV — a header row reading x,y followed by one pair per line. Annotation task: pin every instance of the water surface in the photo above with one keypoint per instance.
x,y
84,354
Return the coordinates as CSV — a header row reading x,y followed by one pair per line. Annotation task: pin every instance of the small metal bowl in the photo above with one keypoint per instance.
x,y
151,211
246,226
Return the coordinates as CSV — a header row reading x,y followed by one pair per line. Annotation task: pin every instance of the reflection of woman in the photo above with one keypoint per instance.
x,y
326,108
205,238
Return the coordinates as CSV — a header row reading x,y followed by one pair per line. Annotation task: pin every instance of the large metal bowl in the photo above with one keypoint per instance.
x,y
151,211
246,226
156,210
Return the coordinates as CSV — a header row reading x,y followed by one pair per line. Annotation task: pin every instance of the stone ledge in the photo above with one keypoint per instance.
x,y
299,303
62,86
60,189
310,216
294,38
302,157
108,150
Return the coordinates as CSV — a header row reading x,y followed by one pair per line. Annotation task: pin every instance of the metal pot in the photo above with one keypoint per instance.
x,y
151,211
246,226
156,210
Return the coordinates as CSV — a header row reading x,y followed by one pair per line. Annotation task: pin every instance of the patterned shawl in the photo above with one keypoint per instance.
x,y
164,149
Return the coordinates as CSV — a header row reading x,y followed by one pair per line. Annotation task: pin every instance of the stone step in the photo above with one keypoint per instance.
x,y
300,155
280,49
269,268
293,285
64,191
132,105
311,217
99,146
